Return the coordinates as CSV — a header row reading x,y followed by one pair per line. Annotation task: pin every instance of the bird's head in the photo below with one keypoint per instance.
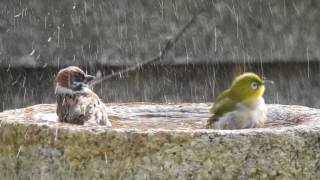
x,y
247,87
71,79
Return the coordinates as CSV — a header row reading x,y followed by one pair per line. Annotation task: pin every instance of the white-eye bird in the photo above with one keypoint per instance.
x,y
241,106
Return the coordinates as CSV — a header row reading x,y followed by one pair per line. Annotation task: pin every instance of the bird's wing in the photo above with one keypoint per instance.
x,y
221,102
219,108
96,110
221,96
223,106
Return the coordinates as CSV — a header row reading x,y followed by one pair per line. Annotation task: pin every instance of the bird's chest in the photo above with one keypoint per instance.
x,y
244,117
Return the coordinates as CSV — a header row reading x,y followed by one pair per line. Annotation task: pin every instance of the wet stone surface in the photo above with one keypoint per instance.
x,y
128,115
143,116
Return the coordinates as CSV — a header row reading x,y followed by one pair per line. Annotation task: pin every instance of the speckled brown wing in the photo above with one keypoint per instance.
x,y
96,111
70,109
82,107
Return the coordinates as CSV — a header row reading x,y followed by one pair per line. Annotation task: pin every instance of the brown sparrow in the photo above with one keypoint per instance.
x,y
77,103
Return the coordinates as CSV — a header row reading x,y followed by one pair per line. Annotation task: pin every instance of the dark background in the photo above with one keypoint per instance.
x,y
277,39
163,83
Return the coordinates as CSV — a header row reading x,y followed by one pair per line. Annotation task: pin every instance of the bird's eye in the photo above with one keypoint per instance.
x,y
254,85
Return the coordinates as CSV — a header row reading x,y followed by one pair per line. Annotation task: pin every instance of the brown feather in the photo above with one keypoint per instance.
x,y
78,106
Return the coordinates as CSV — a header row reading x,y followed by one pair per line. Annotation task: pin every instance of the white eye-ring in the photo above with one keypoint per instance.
x,y
254,85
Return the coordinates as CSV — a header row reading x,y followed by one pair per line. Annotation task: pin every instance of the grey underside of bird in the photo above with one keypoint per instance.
x,y
242,117
78,109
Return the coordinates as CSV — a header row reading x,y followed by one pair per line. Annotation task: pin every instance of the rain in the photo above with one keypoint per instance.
x,y
227,38
158,64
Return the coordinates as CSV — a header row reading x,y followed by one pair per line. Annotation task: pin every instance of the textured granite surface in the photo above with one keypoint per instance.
x,y
34,146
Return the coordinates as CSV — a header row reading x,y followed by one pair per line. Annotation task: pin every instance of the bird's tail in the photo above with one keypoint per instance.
x,y
211,121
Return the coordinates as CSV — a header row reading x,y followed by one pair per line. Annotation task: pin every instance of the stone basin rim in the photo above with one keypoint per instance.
x,y
102,130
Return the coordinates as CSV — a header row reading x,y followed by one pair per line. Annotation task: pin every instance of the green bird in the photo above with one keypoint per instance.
x,y
242,105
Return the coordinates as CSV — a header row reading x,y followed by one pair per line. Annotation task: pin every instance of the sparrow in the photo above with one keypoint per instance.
x,y
242,105
76,102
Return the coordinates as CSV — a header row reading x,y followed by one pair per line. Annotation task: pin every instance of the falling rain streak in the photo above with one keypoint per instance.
x,y
277,39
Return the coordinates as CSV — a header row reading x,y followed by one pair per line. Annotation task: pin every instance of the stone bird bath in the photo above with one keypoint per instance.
x,y
158,141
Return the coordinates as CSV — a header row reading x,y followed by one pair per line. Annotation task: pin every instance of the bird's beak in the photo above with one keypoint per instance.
x,y
267,81
89,78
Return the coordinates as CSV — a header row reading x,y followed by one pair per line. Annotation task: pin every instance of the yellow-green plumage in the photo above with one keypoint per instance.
x,y
240,106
